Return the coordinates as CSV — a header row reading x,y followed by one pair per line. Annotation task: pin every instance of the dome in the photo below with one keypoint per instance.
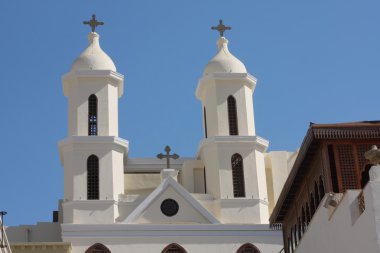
x,y
224,61
93,57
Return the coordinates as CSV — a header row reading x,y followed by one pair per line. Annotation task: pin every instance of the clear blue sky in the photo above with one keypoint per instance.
x,y
315,61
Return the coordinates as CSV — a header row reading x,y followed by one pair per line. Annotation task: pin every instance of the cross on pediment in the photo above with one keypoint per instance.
x,y
93,23
168,156
221,28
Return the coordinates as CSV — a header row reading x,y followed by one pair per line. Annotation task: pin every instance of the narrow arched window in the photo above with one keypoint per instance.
x,y
93,177
321,188
316,192
299,229
303,220
173,248
205,120
232,116
92,115
308,216
98,248
238,176
248,248
312,204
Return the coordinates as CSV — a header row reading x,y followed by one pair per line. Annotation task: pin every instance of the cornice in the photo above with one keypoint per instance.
x,y
114,141
256,142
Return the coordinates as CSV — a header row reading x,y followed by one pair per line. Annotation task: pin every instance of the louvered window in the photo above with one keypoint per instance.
x,y
232,116
93,177
238,176
92,115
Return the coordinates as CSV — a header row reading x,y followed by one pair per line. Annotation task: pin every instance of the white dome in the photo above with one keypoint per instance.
x,y
93,57
224,61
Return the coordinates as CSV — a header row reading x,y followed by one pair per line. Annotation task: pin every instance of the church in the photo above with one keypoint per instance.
x,y
218,201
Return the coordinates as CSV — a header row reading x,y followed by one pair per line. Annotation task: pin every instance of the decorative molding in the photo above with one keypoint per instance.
x,y
41,246
70,231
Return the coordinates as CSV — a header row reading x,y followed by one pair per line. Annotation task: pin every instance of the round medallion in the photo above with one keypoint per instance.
x,y
169,207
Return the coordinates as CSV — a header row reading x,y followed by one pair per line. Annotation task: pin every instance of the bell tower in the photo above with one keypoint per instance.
x,y
231,151
92,155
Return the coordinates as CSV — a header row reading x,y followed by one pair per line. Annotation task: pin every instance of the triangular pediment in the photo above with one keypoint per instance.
x,y
170,203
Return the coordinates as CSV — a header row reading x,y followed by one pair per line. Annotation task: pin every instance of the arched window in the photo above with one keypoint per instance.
x,y
92,115
308,216
321,188
93,177
98,248
232,116
248,248
299,229
303,221
317,198
238,176
312,204
174,248
205,120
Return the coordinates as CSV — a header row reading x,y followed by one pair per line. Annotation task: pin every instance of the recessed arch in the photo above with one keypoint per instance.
x,y
98,248
238,176
232,116
92,115
248,248
174,248
92,177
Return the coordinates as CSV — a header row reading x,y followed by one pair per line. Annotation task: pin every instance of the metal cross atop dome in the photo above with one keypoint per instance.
x,y
221,28
167,156
93,23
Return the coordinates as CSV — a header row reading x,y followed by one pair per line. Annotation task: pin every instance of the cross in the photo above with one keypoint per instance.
x,y
221,28
93,23
167,156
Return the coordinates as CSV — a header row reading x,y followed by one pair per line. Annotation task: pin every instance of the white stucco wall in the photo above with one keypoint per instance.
x,y
41,232
154,238
344,229
278,165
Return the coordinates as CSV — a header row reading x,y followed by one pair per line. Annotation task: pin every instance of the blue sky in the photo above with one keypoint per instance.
x,y
316,61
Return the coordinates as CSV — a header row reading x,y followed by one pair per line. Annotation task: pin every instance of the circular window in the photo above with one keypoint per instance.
x,y
169,207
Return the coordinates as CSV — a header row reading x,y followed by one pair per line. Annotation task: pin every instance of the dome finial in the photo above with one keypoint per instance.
x,y
93,23
221,28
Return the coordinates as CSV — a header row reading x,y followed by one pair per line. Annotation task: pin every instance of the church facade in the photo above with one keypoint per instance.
x,y
218,201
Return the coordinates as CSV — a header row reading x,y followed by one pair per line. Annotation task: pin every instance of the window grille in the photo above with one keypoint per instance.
x,y
232,116
98,248
347,167
248,248
238,176
92,115
174,248
93,177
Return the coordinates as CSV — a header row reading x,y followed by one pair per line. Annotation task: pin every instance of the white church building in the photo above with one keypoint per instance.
x,y
218,201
